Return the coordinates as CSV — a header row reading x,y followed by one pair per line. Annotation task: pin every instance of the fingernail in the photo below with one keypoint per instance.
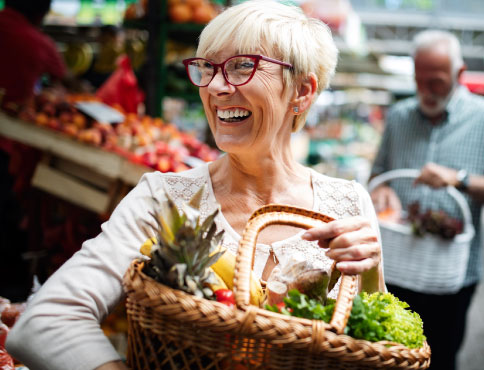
x,y
306,236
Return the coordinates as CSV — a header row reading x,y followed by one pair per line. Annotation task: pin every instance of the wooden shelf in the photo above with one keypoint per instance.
x,y
82,174
108,164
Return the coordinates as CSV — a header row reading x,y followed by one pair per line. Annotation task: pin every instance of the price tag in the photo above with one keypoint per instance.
x,y
100,112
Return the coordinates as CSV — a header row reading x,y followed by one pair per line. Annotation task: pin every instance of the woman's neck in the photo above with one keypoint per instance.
x,y
264,180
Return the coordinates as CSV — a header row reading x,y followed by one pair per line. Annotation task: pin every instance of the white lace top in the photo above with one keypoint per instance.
x,y
60,328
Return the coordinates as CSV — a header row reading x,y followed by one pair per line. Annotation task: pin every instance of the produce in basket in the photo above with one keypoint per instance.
x,y
310,277
185,254
374,317
434,222
181,253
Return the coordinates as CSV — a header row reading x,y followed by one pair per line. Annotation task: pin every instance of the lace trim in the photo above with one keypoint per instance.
x,y
338,198
182,189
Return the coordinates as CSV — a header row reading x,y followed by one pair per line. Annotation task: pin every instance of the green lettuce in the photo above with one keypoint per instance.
x,y
374,317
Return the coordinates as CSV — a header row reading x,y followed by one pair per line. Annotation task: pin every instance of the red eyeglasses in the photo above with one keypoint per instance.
x,y
237,70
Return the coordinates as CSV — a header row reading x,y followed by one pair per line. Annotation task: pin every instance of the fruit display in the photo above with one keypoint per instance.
x,y
179,11
185,254
196,11
136,10
142,139
78,57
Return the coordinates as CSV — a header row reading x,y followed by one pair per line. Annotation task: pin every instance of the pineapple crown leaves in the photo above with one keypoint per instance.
x,y
184,247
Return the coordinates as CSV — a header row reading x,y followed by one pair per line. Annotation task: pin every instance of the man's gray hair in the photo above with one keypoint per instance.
x,y
429,39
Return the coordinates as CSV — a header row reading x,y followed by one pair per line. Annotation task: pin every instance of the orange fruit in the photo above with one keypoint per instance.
x,y
203,14
194,3
180,13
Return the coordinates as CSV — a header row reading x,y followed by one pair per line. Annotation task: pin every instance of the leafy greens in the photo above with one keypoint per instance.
x,y
374,317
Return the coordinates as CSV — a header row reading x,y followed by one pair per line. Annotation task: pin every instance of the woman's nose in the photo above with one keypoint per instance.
x,y
219,83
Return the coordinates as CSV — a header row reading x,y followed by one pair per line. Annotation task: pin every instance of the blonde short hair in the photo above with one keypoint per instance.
x,y
281,31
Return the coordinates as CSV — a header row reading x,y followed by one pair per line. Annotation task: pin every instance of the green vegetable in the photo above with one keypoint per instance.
x,y
374,317
302,306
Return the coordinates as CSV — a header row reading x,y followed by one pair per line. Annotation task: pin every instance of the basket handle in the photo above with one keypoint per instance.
x,y
293,216
414,173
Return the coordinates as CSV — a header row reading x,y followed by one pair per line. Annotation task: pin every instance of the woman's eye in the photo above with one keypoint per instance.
x,y
207,65
246,65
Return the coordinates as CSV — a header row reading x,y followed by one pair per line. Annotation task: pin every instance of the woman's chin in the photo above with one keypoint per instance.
x,y
232,145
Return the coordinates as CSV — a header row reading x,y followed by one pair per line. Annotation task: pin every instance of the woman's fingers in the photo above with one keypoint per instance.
x,y
354,252
335,228
355,267
351,242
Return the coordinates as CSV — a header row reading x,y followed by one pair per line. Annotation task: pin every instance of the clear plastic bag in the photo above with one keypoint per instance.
x,y
309,277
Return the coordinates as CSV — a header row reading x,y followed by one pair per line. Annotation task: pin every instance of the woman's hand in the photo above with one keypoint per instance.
x,y
354,245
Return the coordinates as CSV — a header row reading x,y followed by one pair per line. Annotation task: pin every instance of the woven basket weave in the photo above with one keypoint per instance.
x,y
170,329
429,263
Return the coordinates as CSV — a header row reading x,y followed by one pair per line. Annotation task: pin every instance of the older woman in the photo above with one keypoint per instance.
x,y
259,67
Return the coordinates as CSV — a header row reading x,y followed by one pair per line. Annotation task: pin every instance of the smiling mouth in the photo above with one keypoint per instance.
x,y
233,115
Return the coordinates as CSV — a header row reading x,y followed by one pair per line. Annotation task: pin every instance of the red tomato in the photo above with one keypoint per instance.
x,y
225,295
282,305
227,303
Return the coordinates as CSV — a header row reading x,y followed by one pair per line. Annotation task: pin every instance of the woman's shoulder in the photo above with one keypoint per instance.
x,y
337,197
184,182
180,186
325,180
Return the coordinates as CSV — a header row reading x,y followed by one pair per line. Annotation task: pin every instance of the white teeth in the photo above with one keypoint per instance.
x,y
231,113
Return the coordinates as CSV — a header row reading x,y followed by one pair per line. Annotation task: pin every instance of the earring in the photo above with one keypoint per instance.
x,y
295,109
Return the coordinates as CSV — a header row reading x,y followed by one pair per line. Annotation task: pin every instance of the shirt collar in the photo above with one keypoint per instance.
x,y
454,102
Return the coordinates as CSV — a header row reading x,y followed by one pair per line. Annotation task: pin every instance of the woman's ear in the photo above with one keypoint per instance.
x,y
305,92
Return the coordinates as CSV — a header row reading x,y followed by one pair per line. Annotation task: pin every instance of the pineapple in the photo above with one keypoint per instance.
x,y
184,248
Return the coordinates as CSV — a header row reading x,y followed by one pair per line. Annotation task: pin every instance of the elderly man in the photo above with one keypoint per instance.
x,y
441,132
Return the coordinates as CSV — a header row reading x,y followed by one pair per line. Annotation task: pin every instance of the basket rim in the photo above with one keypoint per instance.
x,y
468,230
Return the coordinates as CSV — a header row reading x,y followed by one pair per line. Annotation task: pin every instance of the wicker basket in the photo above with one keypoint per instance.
x,y
170,329
428,264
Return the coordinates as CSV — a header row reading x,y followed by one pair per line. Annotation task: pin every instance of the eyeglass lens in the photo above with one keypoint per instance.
x,y
237,70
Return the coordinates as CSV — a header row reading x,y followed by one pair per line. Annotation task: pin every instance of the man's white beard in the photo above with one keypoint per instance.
x,y
439,107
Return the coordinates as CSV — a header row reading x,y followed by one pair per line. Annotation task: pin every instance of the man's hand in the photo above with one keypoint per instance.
x,y
437,176
385,199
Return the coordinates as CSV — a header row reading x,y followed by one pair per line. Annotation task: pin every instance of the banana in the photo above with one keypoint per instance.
x,y
225,266
220,284
146,246
78,57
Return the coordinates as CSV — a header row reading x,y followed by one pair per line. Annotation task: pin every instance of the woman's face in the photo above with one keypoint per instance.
x,y
247,118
